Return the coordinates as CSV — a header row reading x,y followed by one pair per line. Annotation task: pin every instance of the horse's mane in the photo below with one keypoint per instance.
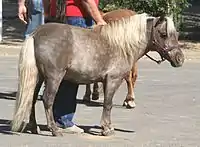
x,y
128,34
170,26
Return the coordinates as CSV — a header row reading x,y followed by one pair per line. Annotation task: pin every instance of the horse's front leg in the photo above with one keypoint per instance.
x,y
110,87
131,80
52,85
32,125
95,94
86,97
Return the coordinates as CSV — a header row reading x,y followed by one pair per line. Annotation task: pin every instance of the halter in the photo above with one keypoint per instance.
x,y
163,51
157,61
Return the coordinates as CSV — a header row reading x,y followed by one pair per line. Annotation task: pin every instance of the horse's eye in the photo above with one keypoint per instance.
x,y
163,35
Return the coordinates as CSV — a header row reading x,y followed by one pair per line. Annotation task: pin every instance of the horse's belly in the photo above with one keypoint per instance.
x,y
85,72
83,77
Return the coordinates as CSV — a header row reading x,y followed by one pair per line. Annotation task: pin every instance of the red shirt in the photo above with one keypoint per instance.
x,y
73,8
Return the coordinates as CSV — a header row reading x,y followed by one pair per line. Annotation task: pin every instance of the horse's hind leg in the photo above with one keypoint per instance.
x,y
32,126
86,97
95,94
131,80
52,85
110,87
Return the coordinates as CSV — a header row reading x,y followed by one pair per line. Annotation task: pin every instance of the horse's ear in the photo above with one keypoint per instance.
x,y
160,20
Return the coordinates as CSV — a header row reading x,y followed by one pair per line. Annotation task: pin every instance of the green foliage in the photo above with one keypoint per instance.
x,y
172,8
154,7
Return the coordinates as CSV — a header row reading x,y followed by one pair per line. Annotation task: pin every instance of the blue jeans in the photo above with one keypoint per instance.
x,y
65,101
36,19
80,21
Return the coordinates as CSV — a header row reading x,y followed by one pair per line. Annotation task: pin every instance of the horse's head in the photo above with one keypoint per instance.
x,y
164,40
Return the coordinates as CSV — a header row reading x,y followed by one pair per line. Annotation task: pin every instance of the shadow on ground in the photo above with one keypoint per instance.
x,y
92,130
8,96
12,96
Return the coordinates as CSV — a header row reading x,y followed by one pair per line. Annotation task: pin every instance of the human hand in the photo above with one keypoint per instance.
x,y
101,23
22,13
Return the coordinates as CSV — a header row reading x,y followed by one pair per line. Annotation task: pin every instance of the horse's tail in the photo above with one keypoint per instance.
x,y
28,73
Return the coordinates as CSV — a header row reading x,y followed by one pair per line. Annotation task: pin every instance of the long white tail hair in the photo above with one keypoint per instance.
x,y
27,72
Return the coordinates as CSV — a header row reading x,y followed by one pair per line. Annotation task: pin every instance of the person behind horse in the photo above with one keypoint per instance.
x,y
80,13
31,13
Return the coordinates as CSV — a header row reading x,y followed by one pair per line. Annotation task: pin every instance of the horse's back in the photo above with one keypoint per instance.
x,y
52,30
59,35
117,15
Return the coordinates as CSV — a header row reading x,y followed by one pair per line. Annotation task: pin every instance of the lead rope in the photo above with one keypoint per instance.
x,y
157,61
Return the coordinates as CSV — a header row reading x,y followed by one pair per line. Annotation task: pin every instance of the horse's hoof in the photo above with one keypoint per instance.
x,y
108,132
125,103
95,96
129,104
57,134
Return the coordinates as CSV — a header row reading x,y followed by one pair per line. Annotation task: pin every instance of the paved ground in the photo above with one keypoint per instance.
x,y
167,112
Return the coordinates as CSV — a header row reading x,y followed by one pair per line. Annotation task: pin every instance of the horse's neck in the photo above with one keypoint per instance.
x,y
149,34
135,51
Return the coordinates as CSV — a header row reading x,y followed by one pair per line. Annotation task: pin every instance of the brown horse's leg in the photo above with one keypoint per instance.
x,y
32,125
131,80
52,85
86,97
95,94
110,87
134,76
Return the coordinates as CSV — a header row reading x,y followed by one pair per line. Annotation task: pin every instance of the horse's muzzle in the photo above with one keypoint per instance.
x,y
176,57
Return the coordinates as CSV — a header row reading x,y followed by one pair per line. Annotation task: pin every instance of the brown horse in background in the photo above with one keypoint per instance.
x,y
132,76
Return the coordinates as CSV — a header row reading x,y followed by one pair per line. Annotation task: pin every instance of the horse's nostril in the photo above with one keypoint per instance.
x,y
179,58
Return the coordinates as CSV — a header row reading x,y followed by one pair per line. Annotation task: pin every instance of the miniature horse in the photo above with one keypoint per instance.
x,y
55,51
